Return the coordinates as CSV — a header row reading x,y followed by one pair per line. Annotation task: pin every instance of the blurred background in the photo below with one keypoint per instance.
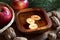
x,y
46,4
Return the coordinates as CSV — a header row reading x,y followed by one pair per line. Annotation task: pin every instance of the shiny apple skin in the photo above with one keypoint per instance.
x,y
19,4
5,15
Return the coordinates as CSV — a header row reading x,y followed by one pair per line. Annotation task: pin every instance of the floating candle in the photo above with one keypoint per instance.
x,y
30,21
35,17
33,26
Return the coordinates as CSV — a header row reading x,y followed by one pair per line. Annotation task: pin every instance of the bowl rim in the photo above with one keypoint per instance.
x,y
32,9
12,20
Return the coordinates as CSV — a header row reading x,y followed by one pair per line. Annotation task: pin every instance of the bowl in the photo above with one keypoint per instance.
x,y
12,20
43,24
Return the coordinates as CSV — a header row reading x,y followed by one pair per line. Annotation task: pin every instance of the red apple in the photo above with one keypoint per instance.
x,y
5,15
19,4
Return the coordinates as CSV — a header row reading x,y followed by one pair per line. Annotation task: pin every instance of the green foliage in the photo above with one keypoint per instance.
x,y
46,4
6,1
